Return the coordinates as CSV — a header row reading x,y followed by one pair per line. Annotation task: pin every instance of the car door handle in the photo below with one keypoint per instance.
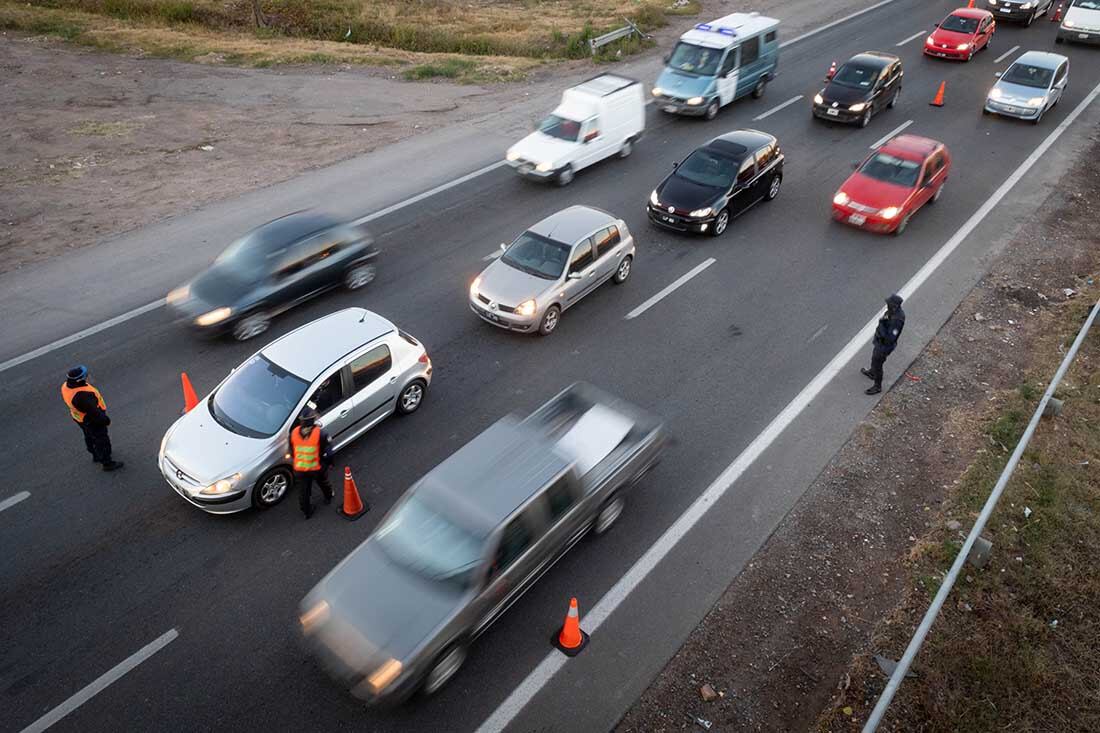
x,y
393,379
345,413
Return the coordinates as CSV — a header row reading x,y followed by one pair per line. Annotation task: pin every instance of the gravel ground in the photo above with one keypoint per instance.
x,y
777,648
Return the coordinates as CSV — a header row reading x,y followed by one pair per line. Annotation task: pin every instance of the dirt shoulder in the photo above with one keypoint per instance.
x,y
795,632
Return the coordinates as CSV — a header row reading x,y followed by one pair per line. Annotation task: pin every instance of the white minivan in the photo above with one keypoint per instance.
x,y
596,119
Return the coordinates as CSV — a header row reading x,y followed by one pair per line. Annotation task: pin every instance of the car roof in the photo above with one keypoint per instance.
x,y
294,226
485,481
309,350
569,225
738,143
728,30
910,147
976,13
1042,59
604,84
873,58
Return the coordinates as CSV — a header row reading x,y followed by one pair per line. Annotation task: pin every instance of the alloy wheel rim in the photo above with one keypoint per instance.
x,y
273,489
723,220
551,321
773,190
360,276
567,175
411,398
445,670
712,110
624,269
251,327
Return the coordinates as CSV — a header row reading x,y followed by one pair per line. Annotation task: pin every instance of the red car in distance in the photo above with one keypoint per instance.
x,y
892,184
961,34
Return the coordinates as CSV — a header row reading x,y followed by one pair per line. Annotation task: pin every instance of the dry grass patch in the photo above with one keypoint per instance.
x,y
99,128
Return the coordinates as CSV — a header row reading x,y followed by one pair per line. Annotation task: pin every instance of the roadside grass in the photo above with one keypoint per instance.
x,y
1017,646
502,39
93,128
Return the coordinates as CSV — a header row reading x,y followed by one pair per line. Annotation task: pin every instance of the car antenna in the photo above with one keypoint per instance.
x,y
364,316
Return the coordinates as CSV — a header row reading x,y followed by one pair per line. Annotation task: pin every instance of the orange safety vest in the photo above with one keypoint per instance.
x,y
306,449
68,393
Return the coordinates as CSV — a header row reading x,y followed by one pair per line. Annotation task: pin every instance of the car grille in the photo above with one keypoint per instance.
x,y
500,306
861,207
179,473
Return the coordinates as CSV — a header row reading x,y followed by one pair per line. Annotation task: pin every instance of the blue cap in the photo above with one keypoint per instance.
x,y
78,372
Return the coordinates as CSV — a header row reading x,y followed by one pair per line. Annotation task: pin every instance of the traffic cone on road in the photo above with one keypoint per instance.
x,y
970,4
571,640
831,72
353,506
1056,16
937,101
190,399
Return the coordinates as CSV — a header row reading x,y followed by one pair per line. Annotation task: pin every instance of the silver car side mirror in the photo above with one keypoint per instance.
x,y
997,74
503,246
573,276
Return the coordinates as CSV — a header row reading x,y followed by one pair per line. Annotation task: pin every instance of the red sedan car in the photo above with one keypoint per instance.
x,y
892,184
961,34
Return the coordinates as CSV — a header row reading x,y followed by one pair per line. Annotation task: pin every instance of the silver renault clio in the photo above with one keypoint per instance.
x,y
551,267
356,368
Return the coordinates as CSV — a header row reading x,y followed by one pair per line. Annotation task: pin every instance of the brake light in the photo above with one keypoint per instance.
x,y
423,359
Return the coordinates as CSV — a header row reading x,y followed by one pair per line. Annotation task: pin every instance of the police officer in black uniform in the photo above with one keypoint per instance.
x,y
886,339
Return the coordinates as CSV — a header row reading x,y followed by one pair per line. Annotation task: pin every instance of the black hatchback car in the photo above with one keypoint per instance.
x,y
717,182
862,87
273,268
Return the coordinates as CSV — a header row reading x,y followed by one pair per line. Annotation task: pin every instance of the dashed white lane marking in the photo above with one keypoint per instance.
x,y
817,334
887,136
13,500
1006,54
103,682
670,288
776,108
918,34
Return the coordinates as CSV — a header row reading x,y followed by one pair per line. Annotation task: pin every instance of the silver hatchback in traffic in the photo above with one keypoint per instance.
x,y
231,451
551,267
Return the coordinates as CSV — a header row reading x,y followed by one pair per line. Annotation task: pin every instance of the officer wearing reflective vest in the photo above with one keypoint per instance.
x,y
89,412
311,455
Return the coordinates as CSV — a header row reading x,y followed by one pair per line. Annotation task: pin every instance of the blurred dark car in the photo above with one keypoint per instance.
x,y
273,268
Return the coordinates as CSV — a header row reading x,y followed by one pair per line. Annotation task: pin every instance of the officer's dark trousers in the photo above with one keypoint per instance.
x,y
97,441
305,481
878,358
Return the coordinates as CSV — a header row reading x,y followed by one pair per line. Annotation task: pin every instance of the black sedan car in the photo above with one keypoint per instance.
x,y
862,87
717,182
273,268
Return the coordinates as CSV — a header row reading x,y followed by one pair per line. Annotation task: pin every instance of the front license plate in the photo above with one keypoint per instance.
x,y
1006,10
670,108
1083,36
857,219
669,219
832,112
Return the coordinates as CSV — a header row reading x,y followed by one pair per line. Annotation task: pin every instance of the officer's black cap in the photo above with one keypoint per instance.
x,y
78,372
894,300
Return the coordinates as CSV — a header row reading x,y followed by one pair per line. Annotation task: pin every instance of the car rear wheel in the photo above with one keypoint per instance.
x,y
712,110
271,487
758,90
623,271
446,666
566,176
359,276
773,187
866,118
410,398
720,223
251,326
609,514
550,320
626,149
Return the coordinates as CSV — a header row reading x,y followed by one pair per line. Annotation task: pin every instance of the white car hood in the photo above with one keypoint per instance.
x,y
206,451
541,148
1082,19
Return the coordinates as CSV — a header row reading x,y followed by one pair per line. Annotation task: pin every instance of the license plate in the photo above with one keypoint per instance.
x,y
832,112
670,108
857,219
669,219
1083,35
492,317
1006,10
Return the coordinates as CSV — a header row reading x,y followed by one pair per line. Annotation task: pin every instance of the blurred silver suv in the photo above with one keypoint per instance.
x,y
231,451
551,267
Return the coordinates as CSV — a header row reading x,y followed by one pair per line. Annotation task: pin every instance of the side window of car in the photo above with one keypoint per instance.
x,y
750,50
370,366
606,239
765,156
329,394
514,541
730,62
769,37
559,498
747,171
582,256
291,262
591,129
1058,77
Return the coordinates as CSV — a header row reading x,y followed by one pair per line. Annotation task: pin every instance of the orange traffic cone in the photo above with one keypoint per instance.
x,y
571,640
353,506
970,4
189,397
1056,16
831,72
937,101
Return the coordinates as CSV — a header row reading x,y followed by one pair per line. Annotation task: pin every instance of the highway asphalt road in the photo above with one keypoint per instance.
x,y
96,566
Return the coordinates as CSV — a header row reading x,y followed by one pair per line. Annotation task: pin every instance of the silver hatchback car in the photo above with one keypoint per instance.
x,y
1029,87
551,267
230,452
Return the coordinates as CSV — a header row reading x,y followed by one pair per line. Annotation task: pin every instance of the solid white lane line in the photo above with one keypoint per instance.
x,y
104,681
13,500
887,136
669,289
54,346
541,675
429,193
918,34
775,109
835,23
1006,54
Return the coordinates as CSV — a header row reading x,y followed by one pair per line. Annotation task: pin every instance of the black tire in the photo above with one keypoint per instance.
x,y
627,148
1029,21
251,325
721,223
550,320
712,110
773,187
866,118
565,177
359,276
894,99
902,225
282,480
758,90
622,272
411,397
609,514
433,682
1059,39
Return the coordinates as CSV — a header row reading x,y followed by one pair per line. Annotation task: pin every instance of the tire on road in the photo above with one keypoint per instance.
x,y
274,484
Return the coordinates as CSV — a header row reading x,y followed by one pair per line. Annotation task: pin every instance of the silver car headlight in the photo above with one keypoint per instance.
x,y
1025,6
474,287
215,316
705,211
526,308
544,167
223,486
1036,101
1067,23
995,93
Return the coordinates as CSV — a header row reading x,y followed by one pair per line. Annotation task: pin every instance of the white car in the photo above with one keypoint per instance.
x,y
1081,22
602,117
231,451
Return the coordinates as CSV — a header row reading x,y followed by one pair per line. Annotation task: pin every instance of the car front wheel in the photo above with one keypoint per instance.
x,y
758,90
272,487
720,223
251,326
410,398
446,666
712,110
773,187
359,276
550,320
609,514
866,118
902,224
566,176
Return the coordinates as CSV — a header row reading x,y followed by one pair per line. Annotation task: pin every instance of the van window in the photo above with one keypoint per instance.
x,y
730,62
591,129
769,37
750,50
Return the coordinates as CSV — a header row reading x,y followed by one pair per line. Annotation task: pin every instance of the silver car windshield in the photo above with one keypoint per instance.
x,y
257,399
1028,76
890,169
428,543
537,255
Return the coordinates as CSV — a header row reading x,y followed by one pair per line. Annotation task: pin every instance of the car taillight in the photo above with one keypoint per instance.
x,y
423,359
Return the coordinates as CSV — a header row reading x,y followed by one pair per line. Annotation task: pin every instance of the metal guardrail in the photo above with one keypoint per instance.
x,y
594,44
953,574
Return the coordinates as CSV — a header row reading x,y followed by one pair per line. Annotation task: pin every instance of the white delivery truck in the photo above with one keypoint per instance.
x,y
601,117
